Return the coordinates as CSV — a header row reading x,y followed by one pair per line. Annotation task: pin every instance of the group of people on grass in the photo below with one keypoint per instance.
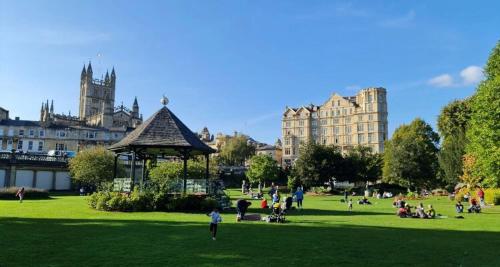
x,y
405,210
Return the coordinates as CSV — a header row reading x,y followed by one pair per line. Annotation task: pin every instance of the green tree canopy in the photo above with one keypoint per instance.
x,y
484,128
236,150
316,164
410,156
262,168
93,166
365,165
452,124
169,171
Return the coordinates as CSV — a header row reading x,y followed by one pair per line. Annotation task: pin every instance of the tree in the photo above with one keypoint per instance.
x,y
468,176
93,166
365,165
262,168
484,128
236,150
410,156
452,124
316,164
170,171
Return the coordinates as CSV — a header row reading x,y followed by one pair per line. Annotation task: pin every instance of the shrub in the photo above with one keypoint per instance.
x,y
492,196
118,202
9,193
209,204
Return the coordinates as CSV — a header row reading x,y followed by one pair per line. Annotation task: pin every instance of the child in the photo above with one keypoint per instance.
x,y
350,204
215,219
20,194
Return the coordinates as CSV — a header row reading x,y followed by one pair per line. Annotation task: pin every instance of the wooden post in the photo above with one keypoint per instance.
x,y
132,171
207,172
185,158
143,170
115,169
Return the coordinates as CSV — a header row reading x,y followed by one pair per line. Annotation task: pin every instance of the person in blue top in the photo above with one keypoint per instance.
x,y
299,195
215,219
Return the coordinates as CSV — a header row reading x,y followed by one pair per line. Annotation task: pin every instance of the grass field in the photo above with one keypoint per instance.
x,y
64,231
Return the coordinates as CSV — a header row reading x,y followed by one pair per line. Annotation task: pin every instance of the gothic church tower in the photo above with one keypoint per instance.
x,y
97,98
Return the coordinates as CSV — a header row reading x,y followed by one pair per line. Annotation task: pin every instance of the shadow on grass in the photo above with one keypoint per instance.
x,y
317,212
67,242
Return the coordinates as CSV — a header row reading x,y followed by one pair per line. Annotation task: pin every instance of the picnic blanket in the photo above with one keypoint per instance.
x,y
252,217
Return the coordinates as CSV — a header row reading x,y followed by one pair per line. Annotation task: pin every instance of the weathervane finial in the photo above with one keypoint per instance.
x,y
164,101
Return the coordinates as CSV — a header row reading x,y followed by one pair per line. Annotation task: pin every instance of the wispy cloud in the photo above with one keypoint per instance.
x,y
468,76
472,75
399,22
443,80
56,37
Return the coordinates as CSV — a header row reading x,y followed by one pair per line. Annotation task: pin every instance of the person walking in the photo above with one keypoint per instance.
x,y
20,194
480,194
350,205
299,195
215,220
345,195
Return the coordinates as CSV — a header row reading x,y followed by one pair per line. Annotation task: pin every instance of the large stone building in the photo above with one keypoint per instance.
x,y
98,123
341,121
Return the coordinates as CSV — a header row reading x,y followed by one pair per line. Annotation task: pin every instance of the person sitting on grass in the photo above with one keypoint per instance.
x,y
421,212
431,213
263,204
364,201
474,207
402,213
408,210
459,207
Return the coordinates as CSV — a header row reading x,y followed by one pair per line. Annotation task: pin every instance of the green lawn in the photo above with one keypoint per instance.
x,y
64,231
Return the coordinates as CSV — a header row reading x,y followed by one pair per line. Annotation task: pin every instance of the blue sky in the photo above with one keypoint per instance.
x,y
235,65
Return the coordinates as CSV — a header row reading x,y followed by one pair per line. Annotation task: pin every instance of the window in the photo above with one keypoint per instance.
x,y
370,138
60,147
287,124
90,135
20,145
344,111
41,133
370,117
21,132
369,107
360,117
361,139
30,145
350,111
337,129
370,99
1,131
315,131
348,139
287,151
338,102
40,146
338,112
301,132
335,121
323,122
370,127
348,120
301,123
325,131
61,134
11,132
360,127
32,132
336,140
314,123
348,129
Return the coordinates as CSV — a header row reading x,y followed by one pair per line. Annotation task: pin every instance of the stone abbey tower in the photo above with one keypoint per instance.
x,y
97,98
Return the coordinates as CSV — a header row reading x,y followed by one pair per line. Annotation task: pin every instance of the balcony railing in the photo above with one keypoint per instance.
x,y
13,157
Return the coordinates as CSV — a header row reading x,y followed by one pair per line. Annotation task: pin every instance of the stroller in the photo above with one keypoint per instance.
x,y
277,214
